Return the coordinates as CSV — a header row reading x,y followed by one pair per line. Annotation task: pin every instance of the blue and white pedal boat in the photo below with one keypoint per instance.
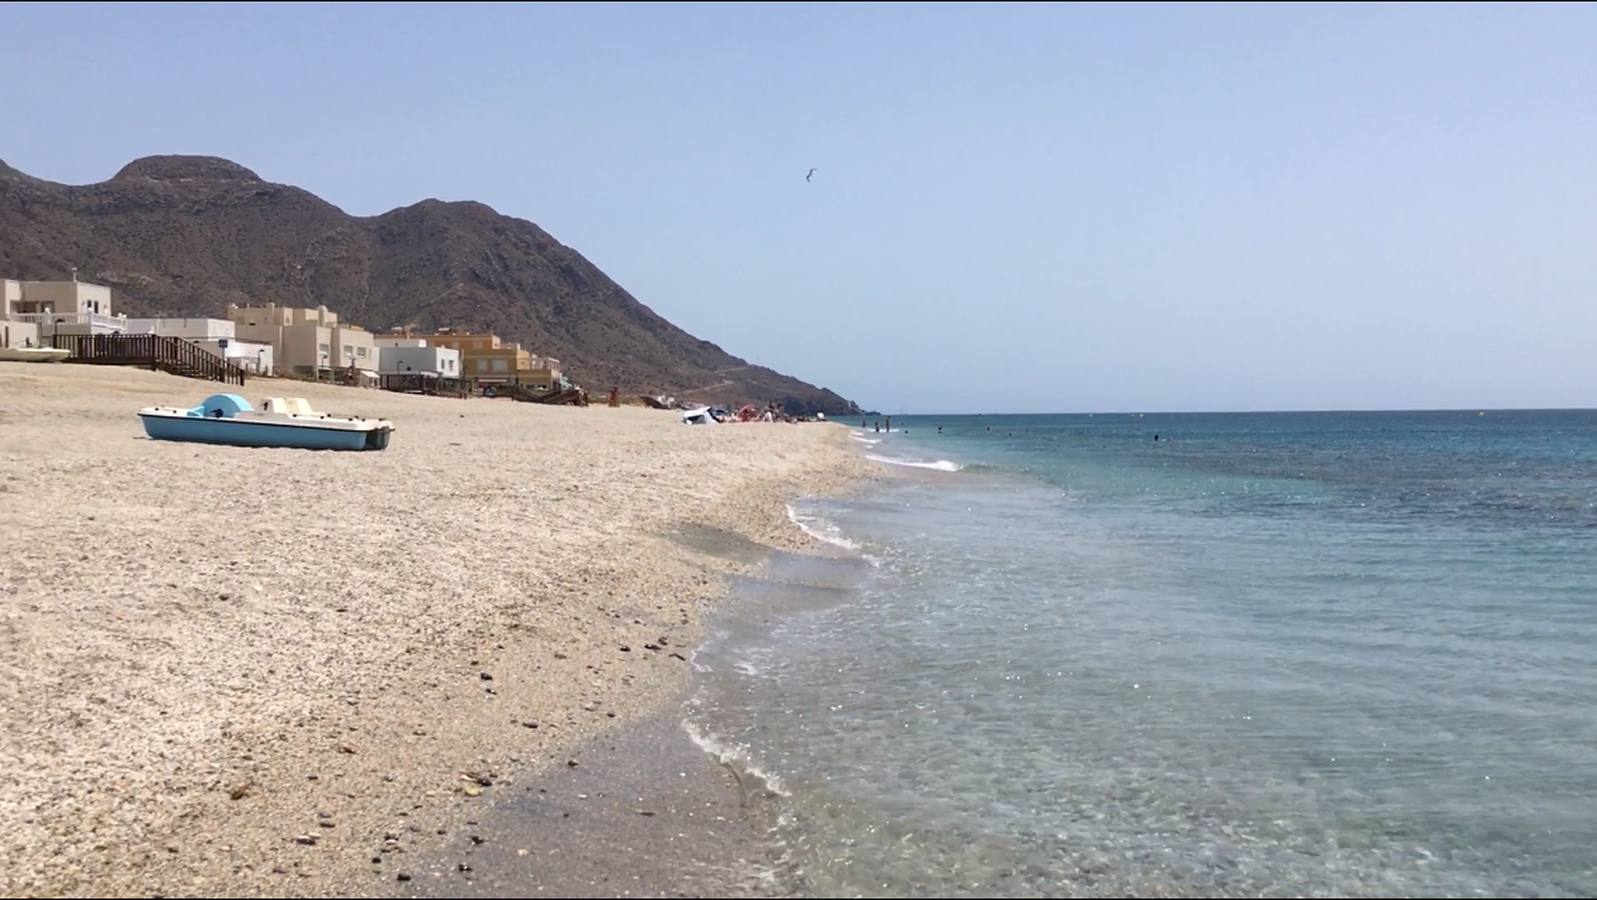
x,y
229,419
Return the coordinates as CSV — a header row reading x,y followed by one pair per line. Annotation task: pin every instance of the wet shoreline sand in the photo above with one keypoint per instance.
x,y
644,813
659,807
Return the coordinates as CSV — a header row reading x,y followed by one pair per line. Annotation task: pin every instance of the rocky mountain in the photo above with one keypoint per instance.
x,y
186,235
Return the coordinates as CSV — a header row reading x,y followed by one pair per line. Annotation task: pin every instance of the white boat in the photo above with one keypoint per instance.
x,y
33,354
701,416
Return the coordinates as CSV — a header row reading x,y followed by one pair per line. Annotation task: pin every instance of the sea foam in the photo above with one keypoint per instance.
x,y
821,530
941,465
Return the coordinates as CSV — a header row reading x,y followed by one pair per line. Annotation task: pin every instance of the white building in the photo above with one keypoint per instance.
x,y
215,335
403,357
193,329
390,340
253,356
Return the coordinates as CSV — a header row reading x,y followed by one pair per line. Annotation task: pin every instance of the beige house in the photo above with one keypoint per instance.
x,y
305,341
61,307
353,346
18,334
14,332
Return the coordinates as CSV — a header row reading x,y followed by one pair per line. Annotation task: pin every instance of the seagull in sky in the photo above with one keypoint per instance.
x,y
810,174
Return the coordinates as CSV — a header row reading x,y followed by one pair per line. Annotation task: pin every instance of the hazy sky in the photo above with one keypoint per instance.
x,y
1017,209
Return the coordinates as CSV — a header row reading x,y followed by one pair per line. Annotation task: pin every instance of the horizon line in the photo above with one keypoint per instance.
x,y
1259,412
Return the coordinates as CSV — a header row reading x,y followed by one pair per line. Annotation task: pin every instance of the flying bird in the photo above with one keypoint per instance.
x,y
810,174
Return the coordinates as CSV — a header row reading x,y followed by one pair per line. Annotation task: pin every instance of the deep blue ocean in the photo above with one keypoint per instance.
x,y
1307,654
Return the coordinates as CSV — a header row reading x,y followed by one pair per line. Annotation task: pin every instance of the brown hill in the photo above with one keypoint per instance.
x,y
190,234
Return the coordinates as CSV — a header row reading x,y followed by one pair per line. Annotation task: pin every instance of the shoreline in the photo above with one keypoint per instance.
x,y
655,807
646,813
254,671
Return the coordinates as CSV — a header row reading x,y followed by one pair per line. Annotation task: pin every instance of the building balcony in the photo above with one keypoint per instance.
x,y
74,323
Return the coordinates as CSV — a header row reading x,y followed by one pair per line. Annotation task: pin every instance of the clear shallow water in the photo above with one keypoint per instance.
x,y
1316,654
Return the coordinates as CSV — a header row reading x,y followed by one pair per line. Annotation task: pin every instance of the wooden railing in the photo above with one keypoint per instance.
x,y
160,352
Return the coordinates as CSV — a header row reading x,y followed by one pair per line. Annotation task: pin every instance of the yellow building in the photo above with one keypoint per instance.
x,y
543,373
484,357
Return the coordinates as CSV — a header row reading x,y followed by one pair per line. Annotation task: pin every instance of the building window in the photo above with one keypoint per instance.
x,y
499,365
360,351
324,347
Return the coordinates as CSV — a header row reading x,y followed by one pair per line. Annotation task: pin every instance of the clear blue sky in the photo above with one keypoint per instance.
x,y
1017,209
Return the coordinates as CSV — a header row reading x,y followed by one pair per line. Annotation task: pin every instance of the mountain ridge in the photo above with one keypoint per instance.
x,y
186,235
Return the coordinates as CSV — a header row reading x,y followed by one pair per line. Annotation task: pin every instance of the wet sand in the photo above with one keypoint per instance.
x,y
645,813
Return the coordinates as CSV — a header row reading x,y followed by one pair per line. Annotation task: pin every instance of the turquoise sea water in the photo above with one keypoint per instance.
x,y
1305,654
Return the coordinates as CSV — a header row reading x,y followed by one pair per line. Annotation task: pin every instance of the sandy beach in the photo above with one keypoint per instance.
x,y
241,671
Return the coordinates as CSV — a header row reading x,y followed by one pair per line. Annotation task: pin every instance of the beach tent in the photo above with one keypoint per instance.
x,y
700,416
